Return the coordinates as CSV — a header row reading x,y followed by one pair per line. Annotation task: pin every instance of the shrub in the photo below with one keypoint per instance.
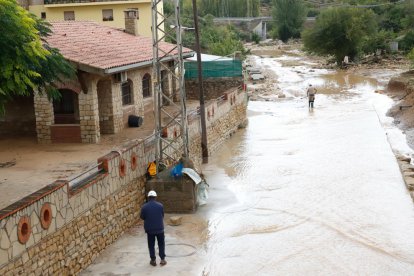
x,y
289,16
411,57
340,32
408,41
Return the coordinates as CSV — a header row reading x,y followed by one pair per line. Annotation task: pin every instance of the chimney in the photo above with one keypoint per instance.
x,y
131,21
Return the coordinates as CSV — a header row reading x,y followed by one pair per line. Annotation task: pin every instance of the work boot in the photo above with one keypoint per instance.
x,y
163,262
153,263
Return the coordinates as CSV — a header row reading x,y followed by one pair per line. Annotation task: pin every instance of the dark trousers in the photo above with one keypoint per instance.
x,y
311,104
161,245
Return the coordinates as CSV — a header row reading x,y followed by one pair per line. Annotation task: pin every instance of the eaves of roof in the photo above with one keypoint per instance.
x,y
113,70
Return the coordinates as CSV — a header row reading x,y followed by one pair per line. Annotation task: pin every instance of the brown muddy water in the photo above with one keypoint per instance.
x,y
298,192
311,192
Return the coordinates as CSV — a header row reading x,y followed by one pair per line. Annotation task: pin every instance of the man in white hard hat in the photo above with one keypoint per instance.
x,y
152,213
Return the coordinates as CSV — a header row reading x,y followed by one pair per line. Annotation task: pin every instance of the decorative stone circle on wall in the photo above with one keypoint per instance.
x,y
134,161
24,229
46,216
122,168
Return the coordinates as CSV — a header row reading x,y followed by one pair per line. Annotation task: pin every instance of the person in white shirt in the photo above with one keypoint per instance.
x,y
311,95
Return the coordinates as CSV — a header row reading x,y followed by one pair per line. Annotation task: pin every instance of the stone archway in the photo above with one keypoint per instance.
x,y
66,127
66,108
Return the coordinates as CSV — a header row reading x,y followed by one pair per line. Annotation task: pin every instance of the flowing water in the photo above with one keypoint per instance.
x,y
311,192
298,192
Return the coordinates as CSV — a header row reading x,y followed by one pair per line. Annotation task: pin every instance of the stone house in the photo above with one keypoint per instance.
x,y
114,80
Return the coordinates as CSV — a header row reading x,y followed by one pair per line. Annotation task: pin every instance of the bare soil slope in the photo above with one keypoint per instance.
x,y
401,89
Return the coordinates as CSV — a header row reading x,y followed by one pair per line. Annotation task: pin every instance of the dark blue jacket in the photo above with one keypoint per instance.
x,y
152,213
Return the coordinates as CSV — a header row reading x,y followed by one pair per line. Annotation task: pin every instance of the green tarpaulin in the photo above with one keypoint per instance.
x,y
214,69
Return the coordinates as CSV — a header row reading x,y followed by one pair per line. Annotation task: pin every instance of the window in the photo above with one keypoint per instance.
x,y
69,15
126,93
43,15
107,15
146,85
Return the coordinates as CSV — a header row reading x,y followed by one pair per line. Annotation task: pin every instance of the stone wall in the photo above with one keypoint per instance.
x,y
84,217
222,124
44,117
213,87
105,106
89,112
223,118
62,228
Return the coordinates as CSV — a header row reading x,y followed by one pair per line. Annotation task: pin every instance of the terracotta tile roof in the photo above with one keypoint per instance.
x,y
101,47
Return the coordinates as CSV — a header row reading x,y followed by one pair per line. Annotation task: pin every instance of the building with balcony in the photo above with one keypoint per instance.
x,y
105,12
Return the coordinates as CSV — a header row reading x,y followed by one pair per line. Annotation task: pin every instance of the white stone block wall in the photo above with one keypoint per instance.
x,y
75,222
89,113
117,106
137,99
105,106
44,117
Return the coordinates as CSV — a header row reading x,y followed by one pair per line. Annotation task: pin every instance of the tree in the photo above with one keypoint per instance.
x,y
411,57
340,32
289,16
230,8
216,40
27,62
408,41
376,41
219,40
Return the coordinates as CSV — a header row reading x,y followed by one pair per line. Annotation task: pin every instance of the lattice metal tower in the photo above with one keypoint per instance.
x,y
170,108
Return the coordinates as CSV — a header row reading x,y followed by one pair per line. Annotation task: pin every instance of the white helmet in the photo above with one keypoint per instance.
x,y
152,193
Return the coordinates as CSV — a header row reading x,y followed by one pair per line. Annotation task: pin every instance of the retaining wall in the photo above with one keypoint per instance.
x,y
213,87
62,228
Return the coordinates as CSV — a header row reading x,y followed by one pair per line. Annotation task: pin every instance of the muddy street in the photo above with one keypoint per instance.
x,y
312,192
299,191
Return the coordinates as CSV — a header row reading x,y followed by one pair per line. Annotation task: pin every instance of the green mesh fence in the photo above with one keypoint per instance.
x,y
214,69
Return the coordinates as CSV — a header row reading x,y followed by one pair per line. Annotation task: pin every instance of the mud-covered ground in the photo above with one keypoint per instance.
x,y
27,166
399,88
298,192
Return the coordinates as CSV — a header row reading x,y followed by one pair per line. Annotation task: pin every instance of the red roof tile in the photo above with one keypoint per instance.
x,y
101,47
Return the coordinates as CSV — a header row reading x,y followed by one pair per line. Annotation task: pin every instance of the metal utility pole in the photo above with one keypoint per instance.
x,y
168,61
204,147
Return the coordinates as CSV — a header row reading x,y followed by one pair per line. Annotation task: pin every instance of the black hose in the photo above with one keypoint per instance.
x,y
184,255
